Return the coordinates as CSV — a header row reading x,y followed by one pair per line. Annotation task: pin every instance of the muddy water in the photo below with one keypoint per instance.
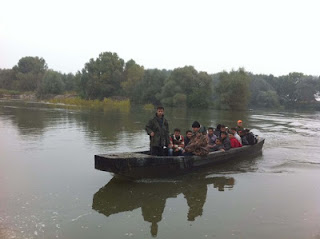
x,y
50,189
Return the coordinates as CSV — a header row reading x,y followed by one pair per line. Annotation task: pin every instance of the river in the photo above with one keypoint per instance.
x,y
50,189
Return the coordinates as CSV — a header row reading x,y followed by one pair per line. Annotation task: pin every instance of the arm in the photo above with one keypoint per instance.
x,y
149,128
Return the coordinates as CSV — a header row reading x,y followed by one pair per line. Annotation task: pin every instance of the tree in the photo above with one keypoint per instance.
x,y
52,84
233,90
149,88
69,81
186,84
7,79
102,77
286,87
306,88
29,72
133,74
262,92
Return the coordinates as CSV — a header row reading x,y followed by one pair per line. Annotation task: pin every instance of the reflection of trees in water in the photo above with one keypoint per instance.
x,y
32,119
120,196
105,125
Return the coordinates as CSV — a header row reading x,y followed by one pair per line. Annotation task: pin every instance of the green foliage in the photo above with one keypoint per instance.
x,y
52,83
108,76
7,79
262,92
29,73
267,99
69,81
148,89
306,88
31,64
233,90
185,86
133,74
102,77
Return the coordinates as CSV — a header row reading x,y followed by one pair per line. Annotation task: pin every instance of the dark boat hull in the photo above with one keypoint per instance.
x,y
142,165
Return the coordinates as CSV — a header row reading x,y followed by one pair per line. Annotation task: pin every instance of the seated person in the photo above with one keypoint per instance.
x,y
243,135
234,142
223,129
188,137
198,142
211,137
218,146
217,131
225,141
176,145
236,135
250,137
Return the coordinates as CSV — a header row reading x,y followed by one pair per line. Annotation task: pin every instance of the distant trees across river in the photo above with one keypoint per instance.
x,y
109,76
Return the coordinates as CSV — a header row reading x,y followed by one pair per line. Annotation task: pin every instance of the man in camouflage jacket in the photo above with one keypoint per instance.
x,y
198,142
158,129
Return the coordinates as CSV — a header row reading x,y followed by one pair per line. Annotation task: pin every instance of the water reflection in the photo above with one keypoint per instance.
x,y
119,196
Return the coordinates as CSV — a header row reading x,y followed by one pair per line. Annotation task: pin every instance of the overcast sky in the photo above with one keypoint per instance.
x,y
271,36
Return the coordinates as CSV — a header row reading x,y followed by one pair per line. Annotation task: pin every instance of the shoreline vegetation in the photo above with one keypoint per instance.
x,y
109,81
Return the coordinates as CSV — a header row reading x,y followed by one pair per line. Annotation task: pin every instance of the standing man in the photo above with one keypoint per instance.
x,y
158,129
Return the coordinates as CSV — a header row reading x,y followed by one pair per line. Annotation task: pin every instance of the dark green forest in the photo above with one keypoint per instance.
x,y
109,76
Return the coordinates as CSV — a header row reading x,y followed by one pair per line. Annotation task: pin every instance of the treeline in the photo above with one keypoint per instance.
x,y
109,76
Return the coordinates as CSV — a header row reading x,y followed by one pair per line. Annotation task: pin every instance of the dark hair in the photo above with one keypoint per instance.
x,y
225,133
222,126
195,124
176,130
234,129
210,128
188,131
160,108
219,139
218,126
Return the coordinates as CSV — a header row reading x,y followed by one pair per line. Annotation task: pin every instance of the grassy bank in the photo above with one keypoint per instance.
x,y
104,104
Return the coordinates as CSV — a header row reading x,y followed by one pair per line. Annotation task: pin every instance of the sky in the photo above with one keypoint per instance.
x,y
263,36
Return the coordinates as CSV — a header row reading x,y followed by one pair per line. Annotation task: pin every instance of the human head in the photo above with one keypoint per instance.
x,y
231,135
203,130
233,130
224,135
160,111
176,132
239,123
210,131
223,128
189,134
218,126
195,126
218,141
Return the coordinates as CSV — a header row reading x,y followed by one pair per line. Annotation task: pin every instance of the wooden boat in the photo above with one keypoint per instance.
x,y
143,165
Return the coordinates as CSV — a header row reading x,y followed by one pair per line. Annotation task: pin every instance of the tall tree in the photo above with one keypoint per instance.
x,y
133,74
102,77
7,79
185,86
29,72
148,90
233,89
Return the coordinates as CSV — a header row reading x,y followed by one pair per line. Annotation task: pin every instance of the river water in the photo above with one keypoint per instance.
x,y
50,189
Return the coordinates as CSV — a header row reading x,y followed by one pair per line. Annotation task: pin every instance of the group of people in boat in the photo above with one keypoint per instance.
x,y
200,141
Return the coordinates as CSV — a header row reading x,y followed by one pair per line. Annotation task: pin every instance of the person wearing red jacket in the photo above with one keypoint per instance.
x,y
234,142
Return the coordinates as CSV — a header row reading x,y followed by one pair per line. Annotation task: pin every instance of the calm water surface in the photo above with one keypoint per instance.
x,y
50,189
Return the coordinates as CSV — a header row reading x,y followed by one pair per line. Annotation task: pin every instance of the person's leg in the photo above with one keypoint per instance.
x,y
155,150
